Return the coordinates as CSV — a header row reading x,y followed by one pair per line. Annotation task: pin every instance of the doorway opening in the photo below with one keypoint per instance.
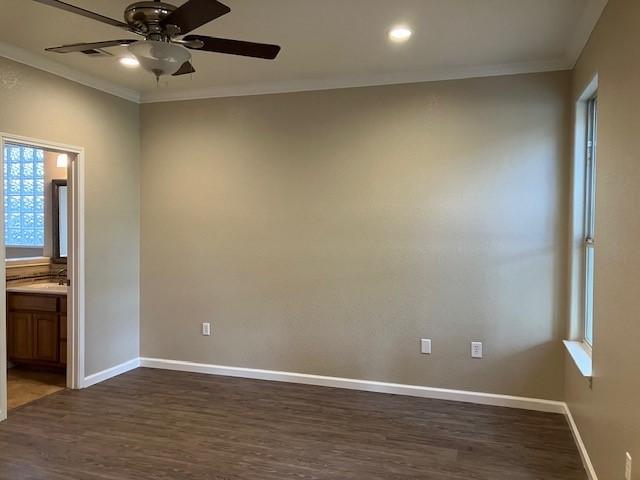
x,y
41,340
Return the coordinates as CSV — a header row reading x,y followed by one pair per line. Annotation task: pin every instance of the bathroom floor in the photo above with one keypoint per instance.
x,y
26,385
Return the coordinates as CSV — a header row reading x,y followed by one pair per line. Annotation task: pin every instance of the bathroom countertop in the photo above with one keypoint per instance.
x,y
47,288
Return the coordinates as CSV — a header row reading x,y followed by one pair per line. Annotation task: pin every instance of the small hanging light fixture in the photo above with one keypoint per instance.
x,y
63,161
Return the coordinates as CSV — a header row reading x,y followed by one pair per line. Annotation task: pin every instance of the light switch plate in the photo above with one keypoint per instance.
x,y
476,349
206,329
425,346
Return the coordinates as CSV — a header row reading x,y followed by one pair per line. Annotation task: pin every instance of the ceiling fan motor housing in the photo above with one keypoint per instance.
x,y
147,17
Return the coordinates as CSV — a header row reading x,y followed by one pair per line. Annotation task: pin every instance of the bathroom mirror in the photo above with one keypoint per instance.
x,y
59,221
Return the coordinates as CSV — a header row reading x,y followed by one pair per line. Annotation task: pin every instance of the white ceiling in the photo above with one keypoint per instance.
x,y
325,43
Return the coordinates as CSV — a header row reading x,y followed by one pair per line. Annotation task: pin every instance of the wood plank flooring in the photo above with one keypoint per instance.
x,y
152,424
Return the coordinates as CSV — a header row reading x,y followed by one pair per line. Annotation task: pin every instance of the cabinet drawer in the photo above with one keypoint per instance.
x,y
39,303
63,304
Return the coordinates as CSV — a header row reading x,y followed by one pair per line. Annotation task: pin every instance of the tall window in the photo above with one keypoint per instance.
x,y
590,216
23,196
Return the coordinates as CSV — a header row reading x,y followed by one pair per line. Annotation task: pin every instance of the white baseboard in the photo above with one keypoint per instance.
x,y
111,372
582,449
364,385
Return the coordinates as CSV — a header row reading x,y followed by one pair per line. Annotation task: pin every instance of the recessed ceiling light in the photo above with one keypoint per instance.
x,y
400,34
129,62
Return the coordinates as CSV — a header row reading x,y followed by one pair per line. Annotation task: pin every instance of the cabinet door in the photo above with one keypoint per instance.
x,y
63,339
20,336
63,327
46,339
63,352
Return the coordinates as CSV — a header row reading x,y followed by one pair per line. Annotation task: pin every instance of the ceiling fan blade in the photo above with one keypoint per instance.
x,y
195,13
83,47
235,47
85,13
185,69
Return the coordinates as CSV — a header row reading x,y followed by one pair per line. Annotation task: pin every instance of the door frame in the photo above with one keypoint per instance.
x,y
75,266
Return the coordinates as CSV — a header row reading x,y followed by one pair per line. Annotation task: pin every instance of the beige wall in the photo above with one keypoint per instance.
x,y
608,416
40,105
327,232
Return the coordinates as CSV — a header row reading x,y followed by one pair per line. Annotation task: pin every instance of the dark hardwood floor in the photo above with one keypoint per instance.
x,y
150,424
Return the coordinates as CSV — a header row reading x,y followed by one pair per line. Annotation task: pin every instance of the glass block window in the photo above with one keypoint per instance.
x,y
23,196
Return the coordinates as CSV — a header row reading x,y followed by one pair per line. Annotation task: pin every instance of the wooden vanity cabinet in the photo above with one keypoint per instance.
x,y
37,329
63,330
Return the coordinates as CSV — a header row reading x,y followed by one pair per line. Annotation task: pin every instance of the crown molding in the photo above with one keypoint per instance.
x,y
158,95
40,62
584,28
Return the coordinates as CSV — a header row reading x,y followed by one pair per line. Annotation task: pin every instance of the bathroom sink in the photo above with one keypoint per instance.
x,y
48,287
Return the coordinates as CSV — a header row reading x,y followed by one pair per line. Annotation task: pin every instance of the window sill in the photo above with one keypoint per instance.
x,y
581,356
27,262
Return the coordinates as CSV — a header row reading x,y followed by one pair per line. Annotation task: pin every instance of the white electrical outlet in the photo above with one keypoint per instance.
x,y
476,349
425,346
627,467
206,329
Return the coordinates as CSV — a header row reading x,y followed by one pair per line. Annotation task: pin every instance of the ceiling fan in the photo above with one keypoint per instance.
x,y
160,23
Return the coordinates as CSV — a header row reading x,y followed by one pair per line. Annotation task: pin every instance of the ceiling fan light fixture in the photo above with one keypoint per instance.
x,y
130,62
400,34
160,58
